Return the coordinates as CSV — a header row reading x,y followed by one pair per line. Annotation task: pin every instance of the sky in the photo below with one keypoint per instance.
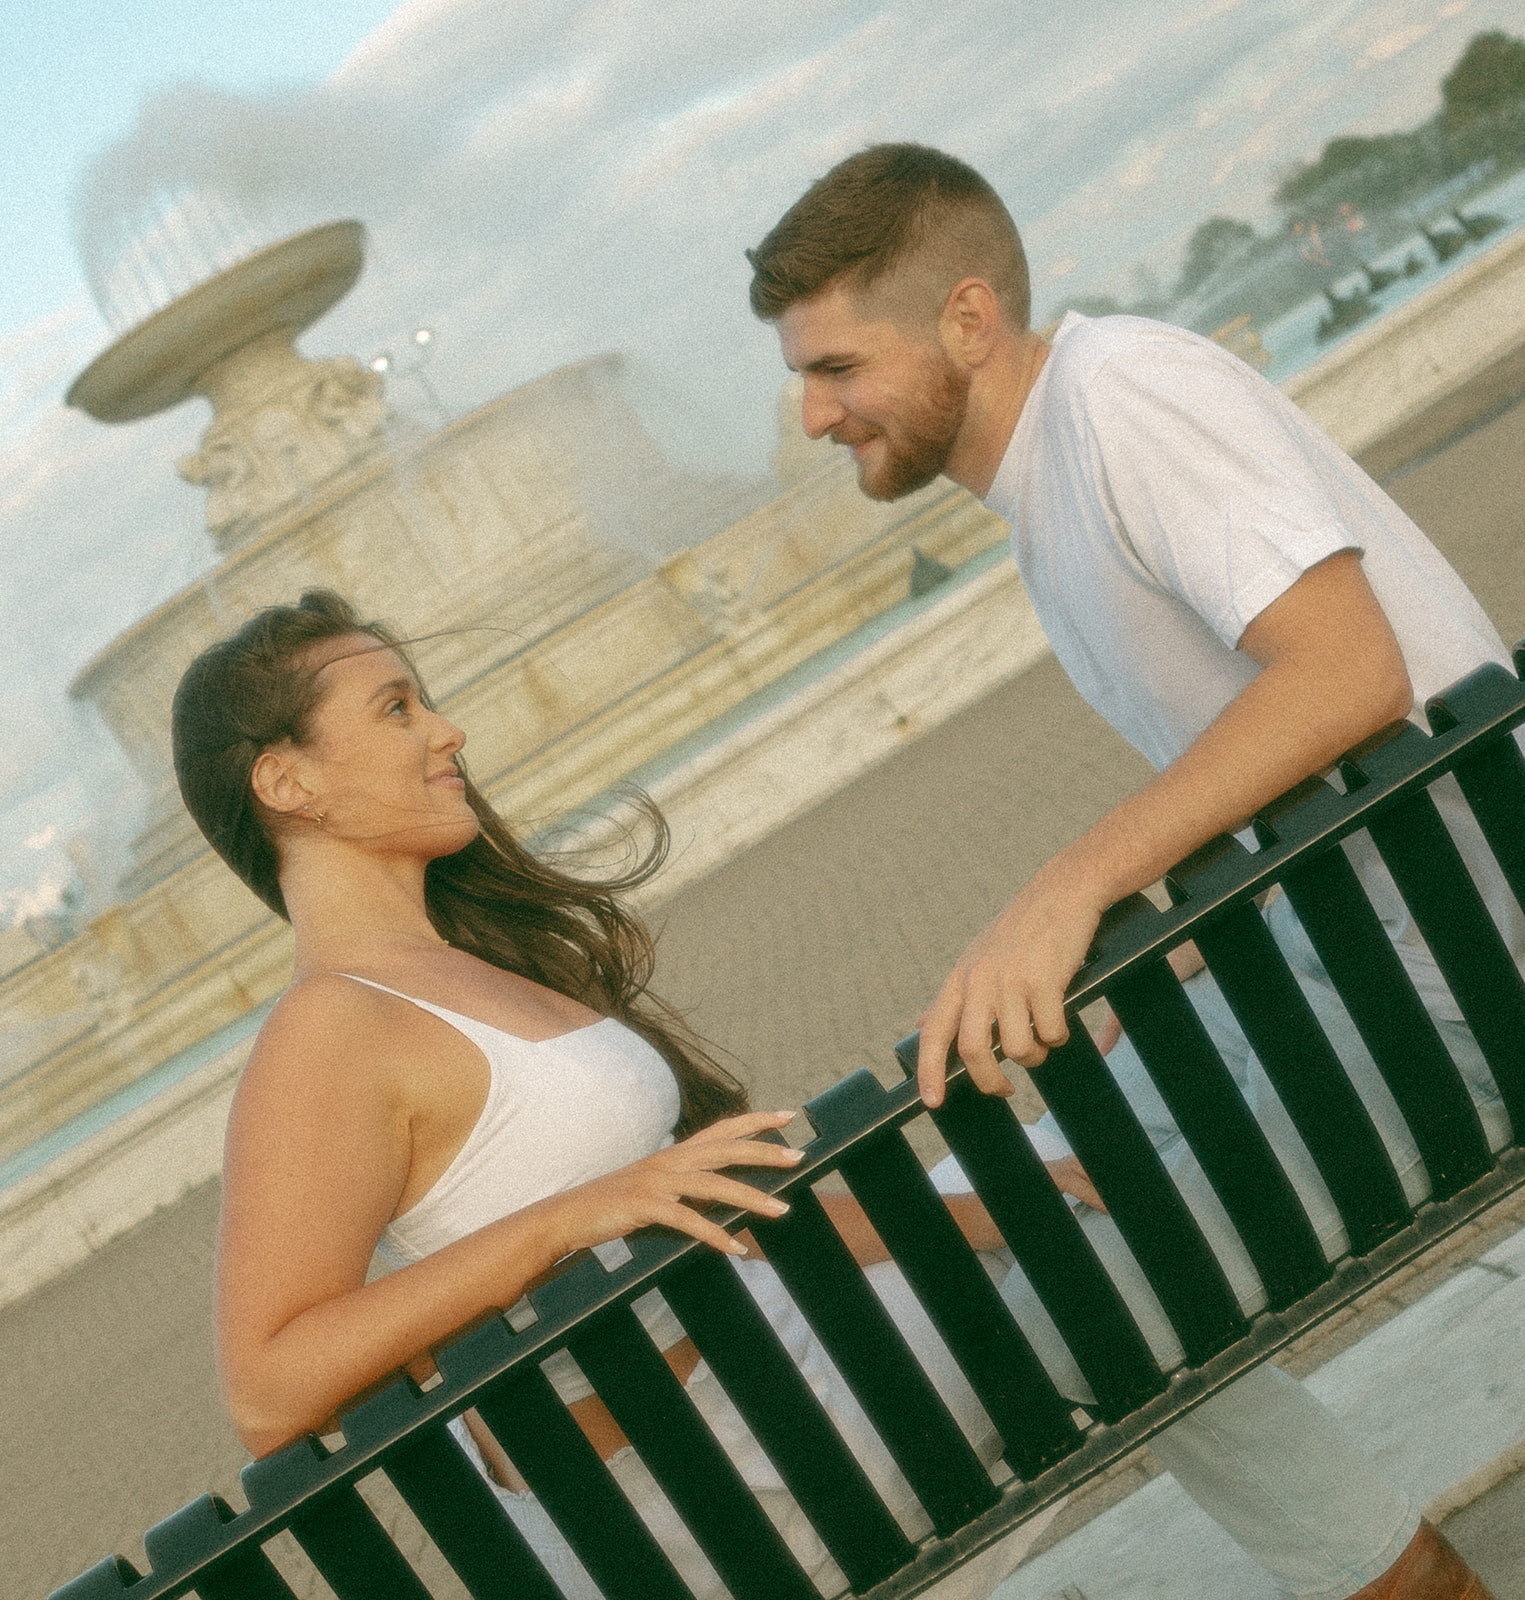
x,y
544,181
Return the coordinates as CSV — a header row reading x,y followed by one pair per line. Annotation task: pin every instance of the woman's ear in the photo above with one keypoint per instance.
x,y
276,785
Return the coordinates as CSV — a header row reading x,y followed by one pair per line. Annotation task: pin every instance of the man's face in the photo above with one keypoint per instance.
x,y
895,397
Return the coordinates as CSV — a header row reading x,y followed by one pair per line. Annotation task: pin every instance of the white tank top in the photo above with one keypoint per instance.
x,y
559,1112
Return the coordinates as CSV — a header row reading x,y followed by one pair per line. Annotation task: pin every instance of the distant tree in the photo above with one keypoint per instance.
x,y
1088,305
1148,298
1213,244
1489,78
1482,119
1342,155
1364,172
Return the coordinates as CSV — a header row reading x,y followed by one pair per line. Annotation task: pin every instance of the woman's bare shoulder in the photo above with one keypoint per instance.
x,y
317,1149
324,1003
329,1025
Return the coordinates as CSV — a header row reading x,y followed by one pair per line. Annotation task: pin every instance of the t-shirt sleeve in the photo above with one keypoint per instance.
x,y
1214,491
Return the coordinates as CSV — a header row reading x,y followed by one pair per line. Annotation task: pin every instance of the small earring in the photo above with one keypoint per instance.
x,y
317,816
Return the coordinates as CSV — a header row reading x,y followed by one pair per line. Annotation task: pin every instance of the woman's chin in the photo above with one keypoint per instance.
x,y
454,836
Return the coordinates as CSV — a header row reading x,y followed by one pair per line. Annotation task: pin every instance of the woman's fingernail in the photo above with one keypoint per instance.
x,y
738,1248
795,1155
778,1207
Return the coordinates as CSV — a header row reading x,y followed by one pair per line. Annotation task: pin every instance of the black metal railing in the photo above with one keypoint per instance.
x,y
311,1490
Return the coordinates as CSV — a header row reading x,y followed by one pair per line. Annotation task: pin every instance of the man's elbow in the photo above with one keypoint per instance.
x,y
1392,691
1379,694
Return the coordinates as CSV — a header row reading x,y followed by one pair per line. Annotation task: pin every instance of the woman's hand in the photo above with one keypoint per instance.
x,y
666,1188
1071,1178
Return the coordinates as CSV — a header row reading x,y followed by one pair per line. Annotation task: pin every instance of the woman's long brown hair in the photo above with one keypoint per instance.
x,y
493,899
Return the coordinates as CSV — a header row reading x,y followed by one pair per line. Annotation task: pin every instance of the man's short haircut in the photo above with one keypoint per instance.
x,y
889,206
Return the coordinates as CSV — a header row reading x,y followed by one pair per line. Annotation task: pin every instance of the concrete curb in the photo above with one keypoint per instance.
x,y
1476,1484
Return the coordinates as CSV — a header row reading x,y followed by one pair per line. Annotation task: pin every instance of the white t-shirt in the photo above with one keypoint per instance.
x,y
1161,495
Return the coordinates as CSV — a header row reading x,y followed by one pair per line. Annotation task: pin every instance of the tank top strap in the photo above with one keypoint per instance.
x,y
489,1040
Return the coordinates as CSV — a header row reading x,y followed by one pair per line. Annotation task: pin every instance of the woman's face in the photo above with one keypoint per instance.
x,y
379,765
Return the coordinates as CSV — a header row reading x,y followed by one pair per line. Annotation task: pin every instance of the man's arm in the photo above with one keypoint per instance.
x,y
1332,675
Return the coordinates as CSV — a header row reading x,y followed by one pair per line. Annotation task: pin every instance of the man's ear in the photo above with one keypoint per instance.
x,y
276,785
970,321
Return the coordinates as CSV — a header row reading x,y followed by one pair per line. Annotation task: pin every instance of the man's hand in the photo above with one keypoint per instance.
x,y
1012,978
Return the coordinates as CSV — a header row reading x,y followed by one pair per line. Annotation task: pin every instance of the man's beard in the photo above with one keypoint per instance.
x,y
923,438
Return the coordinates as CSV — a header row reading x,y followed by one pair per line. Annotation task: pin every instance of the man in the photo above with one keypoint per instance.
x,y
1244,605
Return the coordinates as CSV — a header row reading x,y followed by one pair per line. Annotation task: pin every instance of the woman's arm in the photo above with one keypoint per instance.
x,y
319,1146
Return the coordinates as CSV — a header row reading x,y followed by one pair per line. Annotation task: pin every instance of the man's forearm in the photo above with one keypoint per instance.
x,y
1331,675
1282,728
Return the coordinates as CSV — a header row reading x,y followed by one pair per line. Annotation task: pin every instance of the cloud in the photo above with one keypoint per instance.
x,y
1143,166
1393,44
543,181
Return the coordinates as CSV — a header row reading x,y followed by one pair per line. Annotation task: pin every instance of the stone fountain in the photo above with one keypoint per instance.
x,y
282,425
480,536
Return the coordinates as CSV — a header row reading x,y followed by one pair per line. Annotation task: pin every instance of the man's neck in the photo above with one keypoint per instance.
x,y
998,392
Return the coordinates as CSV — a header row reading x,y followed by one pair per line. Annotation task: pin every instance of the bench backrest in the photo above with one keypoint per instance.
x,y
310,1490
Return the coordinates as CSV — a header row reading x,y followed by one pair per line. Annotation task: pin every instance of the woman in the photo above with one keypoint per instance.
x,y
467,1071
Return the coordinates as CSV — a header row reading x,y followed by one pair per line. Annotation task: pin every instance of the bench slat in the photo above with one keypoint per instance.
x,y
108,1579
1349,939
1313,1086
1033,1419
246,1574
1146,1206
870,1352
1217,1123
543,1441
348,1545
1469,950
463,1516
198,1530
696,1475
1493,782
1491,772
766,1387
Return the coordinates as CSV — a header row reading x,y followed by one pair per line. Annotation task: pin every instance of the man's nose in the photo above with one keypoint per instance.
x,y
820,411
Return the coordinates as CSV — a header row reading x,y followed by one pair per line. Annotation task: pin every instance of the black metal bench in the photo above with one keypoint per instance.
x,y
401,1430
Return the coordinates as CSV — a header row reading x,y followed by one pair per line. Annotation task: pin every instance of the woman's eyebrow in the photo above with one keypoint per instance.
x,y
393,686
